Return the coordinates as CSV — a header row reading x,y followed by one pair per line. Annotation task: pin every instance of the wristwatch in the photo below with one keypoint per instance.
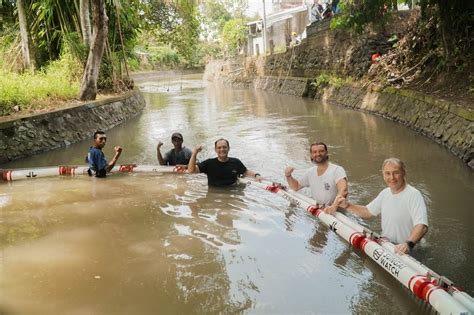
x,y
410,244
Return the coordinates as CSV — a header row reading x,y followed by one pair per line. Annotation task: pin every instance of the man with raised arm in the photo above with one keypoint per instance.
x,y
179,155
403,209
222,170
98,165
326,180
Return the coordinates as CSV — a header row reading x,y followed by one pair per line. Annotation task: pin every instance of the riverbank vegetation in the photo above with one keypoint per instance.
x,y
46,88
434,55
59,51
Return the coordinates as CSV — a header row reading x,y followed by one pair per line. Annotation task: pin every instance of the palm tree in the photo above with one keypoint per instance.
x,y
85,22
99,36
28,57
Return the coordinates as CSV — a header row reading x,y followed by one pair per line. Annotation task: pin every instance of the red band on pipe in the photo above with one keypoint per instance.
x,y
364,242
428,289
273,188
67,170
411,279
127,168
422,286
356,239
178,169
314,210
7,175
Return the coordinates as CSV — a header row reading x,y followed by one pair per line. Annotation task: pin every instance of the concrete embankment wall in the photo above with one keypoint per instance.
x,y
38,133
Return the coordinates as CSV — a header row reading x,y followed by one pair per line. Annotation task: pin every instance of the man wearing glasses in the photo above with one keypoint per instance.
x,y
98,165
178,156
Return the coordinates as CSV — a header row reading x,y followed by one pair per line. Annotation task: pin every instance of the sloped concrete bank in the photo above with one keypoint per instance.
x,y
446,123
26,136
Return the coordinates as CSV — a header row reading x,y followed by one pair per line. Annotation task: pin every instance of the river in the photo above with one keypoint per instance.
x,y
166,244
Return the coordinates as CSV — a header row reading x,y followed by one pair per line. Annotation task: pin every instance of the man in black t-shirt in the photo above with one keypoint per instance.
x,y
220,171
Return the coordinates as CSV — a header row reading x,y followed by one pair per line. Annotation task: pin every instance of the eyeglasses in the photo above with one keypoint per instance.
x,y
176,139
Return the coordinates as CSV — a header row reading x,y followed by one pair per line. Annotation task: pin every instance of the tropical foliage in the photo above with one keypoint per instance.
x,y
54,83
169,33
174,24
449,24
234,34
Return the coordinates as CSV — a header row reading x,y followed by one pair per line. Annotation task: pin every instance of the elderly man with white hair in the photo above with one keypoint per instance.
x,y
403,209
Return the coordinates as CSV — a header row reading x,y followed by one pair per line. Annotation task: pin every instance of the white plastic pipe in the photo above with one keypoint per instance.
x,y
422,285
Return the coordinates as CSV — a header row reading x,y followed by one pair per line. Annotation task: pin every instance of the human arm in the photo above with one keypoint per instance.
x,y
250,173
292,182
342,190
158,154
416,235
361,211
118,151
192,166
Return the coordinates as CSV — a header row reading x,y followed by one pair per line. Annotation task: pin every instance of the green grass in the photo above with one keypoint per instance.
x,y
59,82
326,78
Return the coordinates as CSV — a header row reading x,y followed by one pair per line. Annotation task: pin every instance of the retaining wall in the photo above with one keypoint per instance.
x,y
22,137
448,124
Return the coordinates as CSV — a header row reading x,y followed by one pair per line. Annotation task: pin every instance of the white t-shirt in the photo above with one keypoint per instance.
x,y
400,212
323,188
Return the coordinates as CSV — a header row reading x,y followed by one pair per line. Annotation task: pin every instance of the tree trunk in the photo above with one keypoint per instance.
x,y
85,22
99,37
28,60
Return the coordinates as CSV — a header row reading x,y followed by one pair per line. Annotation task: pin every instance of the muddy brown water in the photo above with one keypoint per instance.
x,y
166,244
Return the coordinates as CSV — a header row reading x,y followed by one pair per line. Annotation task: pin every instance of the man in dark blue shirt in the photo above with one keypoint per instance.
x,y
98,165
220,171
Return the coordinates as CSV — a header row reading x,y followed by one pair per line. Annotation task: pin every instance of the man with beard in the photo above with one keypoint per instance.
x,y
325,180
402,207
98,165
223,170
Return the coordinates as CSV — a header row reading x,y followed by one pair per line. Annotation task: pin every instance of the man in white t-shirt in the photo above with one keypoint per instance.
x,y
325,180
403,209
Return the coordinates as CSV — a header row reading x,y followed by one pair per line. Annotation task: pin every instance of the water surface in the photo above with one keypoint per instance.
x,y
160,244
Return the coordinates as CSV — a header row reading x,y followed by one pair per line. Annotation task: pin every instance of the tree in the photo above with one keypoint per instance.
x,y
236,7
28,57
85,22
6,15
99,36
234,34
214,16
175,24
449,23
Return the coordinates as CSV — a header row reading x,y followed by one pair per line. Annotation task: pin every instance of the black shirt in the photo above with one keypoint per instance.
x,y
222,173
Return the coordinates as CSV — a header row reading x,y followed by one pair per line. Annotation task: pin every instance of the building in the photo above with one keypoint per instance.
x,y
280,27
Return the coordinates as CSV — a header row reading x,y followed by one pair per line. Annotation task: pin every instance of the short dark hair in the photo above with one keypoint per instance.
x,y
318,143
221,139
98,132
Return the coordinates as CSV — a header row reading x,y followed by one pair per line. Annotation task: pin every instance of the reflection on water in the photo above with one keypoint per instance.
x,y
136,244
